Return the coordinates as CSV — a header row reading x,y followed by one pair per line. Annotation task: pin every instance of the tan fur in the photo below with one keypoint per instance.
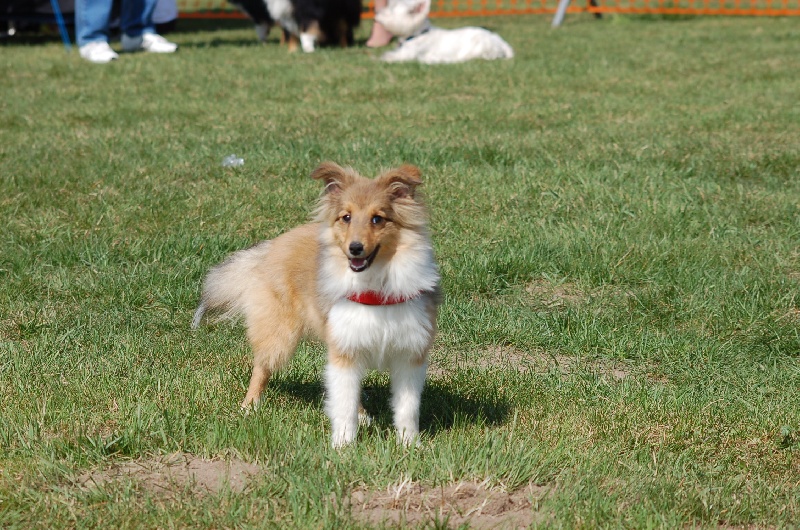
x,y
274,285
314,29
293,43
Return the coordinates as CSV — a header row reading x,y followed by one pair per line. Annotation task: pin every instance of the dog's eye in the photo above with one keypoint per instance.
x,y
377,219
346,218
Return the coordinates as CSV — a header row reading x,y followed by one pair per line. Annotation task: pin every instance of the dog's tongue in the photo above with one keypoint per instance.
x,y
357,262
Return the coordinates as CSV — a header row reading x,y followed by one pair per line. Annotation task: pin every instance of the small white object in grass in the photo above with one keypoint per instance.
x,y
232,161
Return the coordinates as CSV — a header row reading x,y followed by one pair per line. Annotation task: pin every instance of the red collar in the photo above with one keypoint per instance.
x,y
376,298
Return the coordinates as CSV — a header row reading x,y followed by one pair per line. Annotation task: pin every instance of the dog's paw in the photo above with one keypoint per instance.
x,y
249,406
409,438
343,433
307,42
339,440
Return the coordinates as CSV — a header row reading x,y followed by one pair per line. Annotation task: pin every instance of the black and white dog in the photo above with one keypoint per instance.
x,y
305,22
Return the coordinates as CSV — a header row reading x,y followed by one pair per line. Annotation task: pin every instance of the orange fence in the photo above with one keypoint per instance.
x,y
439,8
699,7
471,8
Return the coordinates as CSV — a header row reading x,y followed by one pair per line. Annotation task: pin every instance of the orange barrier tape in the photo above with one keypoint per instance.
x,y
701,7
482,8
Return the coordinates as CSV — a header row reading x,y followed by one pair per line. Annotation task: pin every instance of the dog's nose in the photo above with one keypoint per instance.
x,y
356,249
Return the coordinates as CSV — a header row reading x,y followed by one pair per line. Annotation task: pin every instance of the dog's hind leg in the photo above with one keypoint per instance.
x,y
310,35
258,381
274,339
292,43
344,32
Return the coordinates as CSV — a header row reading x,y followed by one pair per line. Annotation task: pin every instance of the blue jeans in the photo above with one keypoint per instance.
x,y
92,18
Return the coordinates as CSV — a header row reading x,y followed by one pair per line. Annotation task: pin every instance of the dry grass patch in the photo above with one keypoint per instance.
x,y
549,294
472,503
790,315
171,475
506,357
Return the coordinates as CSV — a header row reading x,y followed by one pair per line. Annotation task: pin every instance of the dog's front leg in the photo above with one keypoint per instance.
x,y
342,397
309,36
408,378
307,42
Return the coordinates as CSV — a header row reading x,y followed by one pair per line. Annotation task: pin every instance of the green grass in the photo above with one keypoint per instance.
x,y
623,195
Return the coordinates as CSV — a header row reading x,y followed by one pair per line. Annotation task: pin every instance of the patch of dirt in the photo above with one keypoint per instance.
x,y
168,476
409,503
552,295
555,295
509,357
502,357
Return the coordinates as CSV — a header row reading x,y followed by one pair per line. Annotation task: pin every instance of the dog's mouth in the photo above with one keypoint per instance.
x,y
362,264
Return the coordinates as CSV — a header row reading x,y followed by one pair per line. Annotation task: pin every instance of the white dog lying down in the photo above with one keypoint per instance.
x,y
420,41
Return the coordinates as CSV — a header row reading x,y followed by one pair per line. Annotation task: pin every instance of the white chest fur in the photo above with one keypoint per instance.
x,y
374,335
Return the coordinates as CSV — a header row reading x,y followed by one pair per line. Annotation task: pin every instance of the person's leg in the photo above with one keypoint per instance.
x,y
380,36
138,30
91,30
165,16
136,17
91,21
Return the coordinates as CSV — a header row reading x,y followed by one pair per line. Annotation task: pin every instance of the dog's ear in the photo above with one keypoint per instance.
x,y
335,177
402,182
424,6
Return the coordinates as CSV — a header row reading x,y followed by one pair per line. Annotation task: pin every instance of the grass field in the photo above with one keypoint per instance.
x,y
616,213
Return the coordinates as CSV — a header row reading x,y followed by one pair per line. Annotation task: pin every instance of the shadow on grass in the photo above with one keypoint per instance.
x,y
442,408
217,42
34,33
30,32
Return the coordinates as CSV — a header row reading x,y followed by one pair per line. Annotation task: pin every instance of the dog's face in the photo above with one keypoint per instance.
x,y
403,18
366,216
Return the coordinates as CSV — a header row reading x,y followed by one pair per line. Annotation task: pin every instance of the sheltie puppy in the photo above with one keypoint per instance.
x,y
361,277
305,22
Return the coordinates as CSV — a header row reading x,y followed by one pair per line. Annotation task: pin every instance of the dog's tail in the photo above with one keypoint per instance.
x,y
198,315
226,285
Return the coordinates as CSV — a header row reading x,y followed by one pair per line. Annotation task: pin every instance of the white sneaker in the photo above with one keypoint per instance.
x,y
149,42
98,52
